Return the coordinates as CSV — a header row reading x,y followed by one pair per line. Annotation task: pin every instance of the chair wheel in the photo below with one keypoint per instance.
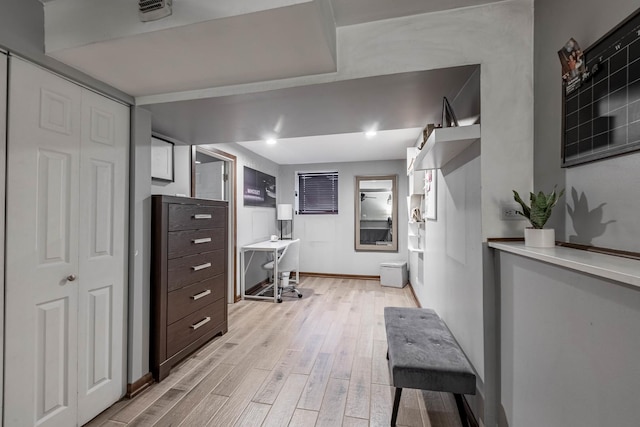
x,y
279,300
299,295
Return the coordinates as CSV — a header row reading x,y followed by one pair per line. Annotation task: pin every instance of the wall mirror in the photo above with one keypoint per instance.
x,y
209,175
376,218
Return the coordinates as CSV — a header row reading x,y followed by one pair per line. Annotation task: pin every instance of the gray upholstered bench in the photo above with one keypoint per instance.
x,y
424,355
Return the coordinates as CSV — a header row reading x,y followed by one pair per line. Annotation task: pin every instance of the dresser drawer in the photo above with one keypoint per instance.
x,y
194,268
192,217
191,242
190,328
191,298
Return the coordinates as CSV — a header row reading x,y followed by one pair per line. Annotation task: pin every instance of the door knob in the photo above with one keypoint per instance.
x,y
71,277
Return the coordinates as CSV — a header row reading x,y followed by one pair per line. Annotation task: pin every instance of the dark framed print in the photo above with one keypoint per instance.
x,y
259,189
161,159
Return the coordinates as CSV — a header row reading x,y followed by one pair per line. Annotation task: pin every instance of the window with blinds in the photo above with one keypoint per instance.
x,y
317,193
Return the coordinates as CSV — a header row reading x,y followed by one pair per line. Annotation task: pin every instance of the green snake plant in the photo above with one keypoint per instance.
x,y
541,206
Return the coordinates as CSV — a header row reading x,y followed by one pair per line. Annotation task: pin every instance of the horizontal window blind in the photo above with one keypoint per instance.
x,y
318,193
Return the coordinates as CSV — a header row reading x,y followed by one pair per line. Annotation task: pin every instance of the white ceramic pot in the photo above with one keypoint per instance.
x,y
539,237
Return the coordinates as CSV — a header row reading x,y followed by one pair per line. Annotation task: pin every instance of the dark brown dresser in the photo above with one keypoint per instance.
x,y
188,277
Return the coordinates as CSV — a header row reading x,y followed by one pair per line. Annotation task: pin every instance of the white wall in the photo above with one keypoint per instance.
x,y
609,182
22,32
453,276
139,245
327,241
569,347
22,25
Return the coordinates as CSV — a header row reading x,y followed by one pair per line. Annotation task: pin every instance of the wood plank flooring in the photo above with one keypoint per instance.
x,y
315,361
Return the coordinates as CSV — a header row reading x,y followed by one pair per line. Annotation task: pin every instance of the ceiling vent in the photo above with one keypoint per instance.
x,y
151,10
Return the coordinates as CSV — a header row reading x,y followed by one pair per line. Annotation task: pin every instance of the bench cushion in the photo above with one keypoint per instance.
x,y
423,354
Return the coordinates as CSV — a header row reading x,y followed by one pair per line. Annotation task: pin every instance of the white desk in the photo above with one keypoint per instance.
x,y
266,246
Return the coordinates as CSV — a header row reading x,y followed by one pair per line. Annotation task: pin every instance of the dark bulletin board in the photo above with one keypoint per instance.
x,y
602,117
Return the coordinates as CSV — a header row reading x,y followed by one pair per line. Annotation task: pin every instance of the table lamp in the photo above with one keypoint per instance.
x,y
285,213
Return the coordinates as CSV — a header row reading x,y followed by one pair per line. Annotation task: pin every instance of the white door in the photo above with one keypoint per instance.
x,y
65,251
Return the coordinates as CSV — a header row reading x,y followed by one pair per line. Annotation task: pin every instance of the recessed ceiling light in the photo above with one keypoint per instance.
x,y
370,133
271,141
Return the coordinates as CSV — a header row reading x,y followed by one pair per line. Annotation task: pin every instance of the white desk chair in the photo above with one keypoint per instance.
x,y
287,262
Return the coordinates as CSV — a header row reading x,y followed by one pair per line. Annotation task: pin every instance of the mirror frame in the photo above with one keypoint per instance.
x,y
360,247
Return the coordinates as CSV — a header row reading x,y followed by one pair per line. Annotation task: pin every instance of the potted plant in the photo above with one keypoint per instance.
x,y
538,214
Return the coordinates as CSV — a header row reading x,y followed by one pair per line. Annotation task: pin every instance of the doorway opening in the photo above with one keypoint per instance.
x,y
213,177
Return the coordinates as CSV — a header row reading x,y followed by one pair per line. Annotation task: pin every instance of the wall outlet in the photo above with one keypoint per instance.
x,y
509,213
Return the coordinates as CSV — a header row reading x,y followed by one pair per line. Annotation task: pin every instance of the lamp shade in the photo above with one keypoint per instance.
x,y
285,212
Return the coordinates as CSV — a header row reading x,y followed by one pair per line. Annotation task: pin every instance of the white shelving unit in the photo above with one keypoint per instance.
x,y
441,147
415,239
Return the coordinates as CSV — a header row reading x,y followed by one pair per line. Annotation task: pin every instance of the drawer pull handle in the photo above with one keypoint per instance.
x,y
202,216
200,323
203,240
201,266
201,294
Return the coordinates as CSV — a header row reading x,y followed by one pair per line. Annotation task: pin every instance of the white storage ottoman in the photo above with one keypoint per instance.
x,y
393,274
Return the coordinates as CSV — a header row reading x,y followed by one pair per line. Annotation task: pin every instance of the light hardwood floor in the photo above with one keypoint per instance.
x,y
315,361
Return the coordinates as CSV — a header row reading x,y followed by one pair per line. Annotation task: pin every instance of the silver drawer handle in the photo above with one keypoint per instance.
x,y
203,240
202,216
200,323
201,294
201,266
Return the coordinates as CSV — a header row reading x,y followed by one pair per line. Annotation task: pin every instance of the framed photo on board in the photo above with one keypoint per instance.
x,y
161,159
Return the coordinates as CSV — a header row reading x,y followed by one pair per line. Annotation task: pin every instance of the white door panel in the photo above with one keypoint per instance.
x,y
102,245
66,229
42,218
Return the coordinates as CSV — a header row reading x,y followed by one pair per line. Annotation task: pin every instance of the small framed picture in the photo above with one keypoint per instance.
x,y
161,159
430,191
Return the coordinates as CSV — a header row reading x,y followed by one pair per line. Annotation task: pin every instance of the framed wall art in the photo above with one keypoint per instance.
x,y
161,159
430,193
259,189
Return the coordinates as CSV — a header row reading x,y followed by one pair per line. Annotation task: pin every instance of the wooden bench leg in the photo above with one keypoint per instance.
x,y
396,405
461,411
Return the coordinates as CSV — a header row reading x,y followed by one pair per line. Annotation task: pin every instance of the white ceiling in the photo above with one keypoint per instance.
x,y
396,101
352,147
206,45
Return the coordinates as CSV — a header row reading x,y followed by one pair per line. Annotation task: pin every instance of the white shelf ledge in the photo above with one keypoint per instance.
x,y
611,267
416,250
443,145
